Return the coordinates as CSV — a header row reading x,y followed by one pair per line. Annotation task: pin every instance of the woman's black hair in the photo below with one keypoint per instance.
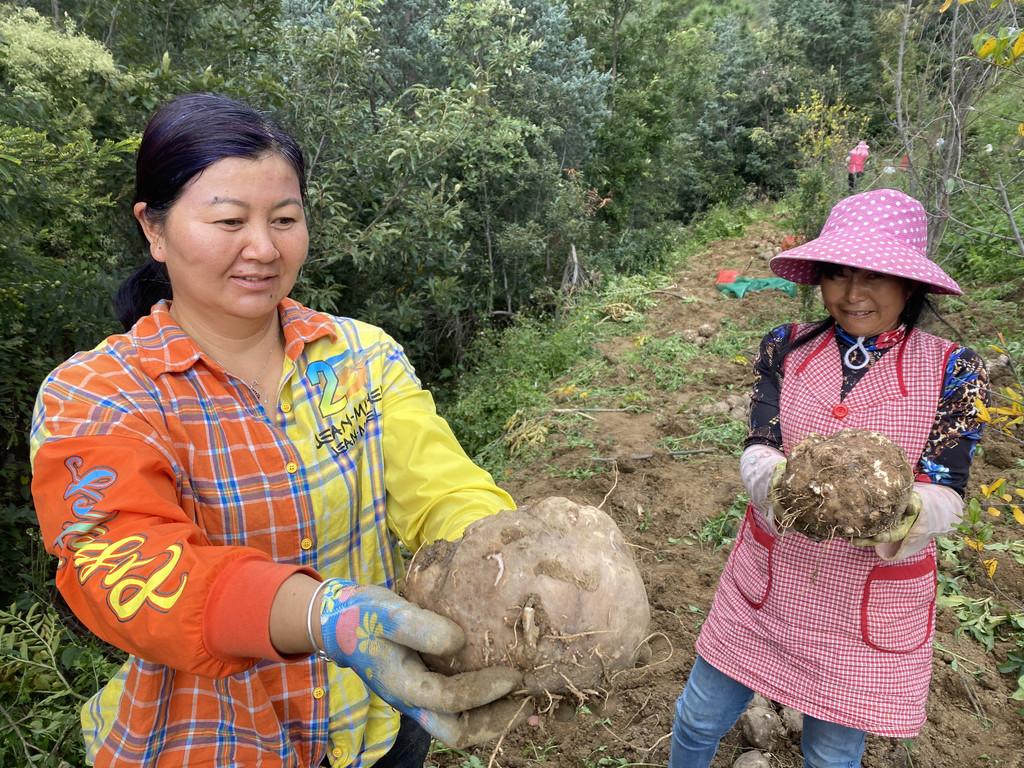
x,y
183,138
916,304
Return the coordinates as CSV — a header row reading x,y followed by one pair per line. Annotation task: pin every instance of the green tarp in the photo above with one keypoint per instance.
x,y
743,285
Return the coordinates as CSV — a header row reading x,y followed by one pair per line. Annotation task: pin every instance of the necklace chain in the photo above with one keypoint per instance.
x,y
254,383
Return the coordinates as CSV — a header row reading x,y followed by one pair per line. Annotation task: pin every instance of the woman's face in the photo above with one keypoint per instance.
x,y
234,241
864,303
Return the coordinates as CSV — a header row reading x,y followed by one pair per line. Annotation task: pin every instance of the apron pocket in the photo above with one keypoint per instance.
x,y
751,561
897,610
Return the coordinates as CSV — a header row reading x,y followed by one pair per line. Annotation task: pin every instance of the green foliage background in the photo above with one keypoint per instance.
x,y
462,154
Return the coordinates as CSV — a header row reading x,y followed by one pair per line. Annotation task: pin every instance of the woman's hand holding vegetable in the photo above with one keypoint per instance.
x,y
761,467
899,531
378,635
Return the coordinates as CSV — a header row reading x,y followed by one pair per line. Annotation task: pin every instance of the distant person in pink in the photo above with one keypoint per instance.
x,y
855,163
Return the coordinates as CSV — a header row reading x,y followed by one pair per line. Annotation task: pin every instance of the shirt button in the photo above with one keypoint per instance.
x,y
286,407
318,692
306,543
291,467
337,752
840,411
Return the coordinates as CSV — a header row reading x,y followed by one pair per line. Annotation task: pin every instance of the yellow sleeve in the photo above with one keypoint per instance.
x,y
434,489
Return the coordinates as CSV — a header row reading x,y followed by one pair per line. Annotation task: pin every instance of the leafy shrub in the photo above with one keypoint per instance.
x,y
46,674
515,370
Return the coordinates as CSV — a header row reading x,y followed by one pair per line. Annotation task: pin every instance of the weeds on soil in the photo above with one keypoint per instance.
x,y
518,366
991,529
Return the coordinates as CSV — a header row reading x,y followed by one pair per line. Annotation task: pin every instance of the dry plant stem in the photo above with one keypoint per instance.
x,y
973,697
640,709
1008,210
629,744
615,466
589,410
679,296
637,546
1005,596
654,746
580,695
645,456
1012,437
552,703
1001,396
573,635
963,660
645,667
505,730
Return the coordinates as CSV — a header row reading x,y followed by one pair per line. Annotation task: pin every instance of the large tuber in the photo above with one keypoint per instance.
x,y
852,484
550,589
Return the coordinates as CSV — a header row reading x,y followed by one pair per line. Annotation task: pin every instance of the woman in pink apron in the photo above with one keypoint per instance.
x,y
842,631
855,163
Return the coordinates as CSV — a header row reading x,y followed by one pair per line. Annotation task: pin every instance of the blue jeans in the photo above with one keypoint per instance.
x,y
711,704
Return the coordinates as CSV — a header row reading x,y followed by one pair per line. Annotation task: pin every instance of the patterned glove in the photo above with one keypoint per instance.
x,y
900,530
377,634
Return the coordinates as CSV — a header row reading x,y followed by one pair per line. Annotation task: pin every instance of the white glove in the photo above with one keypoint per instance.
x,y
757,465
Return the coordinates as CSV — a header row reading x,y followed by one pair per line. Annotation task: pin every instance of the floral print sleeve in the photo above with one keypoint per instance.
x,y
947,455
765,427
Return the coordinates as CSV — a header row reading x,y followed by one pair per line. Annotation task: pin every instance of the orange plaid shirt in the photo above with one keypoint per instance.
x,y
177,503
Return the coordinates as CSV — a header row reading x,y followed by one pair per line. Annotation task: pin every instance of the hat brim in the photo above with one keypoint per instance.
x,y
875,252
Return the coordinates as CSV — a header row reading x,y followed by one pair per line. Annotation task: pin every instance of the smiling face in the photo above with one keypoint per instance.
x,y
233,242
863,303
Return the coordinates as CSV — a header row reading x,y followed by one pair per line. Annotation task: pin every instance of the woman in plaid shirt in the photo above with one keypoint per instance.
x,y
225,486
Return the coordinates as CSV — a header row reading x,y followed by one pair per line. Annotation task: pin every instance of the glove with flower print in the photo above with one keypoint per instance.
x,y
379,636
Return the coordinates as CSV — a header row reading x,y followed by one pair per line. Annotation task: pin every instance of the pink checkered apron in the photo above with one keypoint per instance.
x,y
831,629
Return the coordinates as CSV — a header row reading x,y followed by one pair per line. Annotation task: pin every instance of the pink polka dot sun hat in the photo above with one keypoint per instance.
x,y
883,230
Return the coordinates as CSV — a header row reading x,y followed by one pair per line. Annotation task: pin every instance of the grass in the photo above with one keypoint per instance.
x,y
578,472
516,368
719,432
466,760
735,339
541,753
720,531
666,360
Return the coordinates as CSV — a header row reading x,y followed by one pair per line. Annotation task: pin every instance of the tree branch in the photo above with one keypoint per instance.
x,y
1009,214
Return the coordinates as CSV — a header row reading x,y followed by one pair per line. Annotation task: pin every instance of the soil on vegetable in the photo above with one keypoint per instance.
x,y
849,485
551,589
667,473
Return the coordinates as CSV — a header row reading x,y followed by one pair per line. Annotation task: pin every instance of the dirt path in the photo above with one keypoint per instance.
x,y
664,466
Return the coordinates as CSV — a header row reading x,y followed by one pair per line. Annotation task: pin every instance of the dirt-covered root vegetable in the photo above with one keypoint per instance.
x,y
550,589
753,759
761,726
852,484
793,720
